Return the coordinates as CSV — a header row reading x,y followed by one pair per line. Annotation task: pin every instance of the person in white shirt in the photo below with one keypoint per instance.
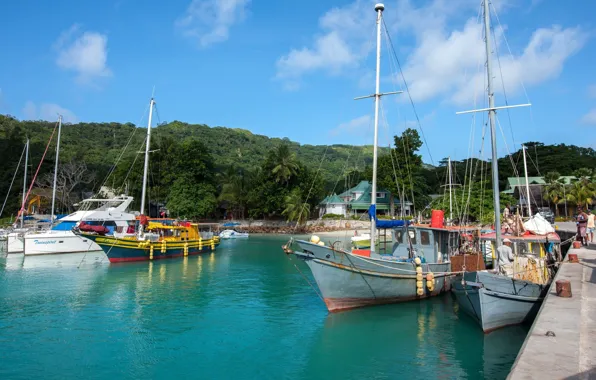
x,y
504,254
591,226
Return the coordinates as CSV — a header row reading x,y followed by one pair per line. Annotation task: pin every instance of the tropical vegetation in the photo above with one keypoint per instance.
x,y
201,172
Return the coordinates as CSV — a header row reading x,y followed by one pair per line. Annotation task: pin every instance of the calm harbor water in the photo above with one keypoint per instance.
x,y
243,312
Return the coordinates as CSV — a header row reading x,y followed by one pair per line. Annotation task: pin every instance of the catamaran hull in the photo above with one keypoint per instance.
x,y
496,301
58,242
347,281
120,250
15,243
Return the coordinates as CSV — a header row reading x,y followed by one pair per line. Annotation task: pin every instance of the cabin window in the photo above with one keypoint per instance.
x,y
399,236
381,195
424,238
412,235
536,248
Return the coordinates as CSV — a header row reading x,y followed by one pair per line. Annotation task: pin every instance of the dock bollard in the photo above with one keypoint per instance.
x,y
573,258
563,288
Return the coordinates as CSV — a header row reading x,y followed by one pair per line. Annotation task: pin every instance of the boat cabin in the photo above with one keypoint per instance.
x,y
177,231
527,244
434,245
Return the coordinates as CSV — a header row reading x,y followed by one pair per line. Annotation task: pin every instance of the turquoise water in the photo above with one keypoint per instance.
x,y
241,313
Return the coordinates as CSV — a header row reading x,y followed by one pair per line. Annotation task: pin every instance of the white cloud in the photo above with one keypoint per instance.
x,y
357,126
85,53
343,43
589,118
447,57
49,112
209,21
449,62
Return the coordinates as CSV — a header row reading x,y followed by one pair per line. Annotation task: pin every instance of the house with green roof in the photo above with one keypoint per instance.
x,y
356,201
513,183
516,187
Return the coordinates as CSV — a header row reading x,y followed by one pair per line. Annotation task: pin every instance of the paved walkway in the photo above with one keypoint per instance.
x,y
571,352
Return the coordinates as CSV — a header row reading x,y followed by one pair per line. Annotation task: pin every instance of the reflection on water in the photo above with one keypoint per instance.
x,y
242,312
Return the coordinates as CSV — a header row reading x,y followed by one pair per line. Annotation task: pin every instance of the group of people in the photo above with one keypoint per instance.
x,y
585,225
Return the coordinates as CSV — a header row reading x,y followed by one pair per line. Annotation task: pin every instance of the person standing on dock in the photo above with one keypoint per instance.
x,y
582,222
591,226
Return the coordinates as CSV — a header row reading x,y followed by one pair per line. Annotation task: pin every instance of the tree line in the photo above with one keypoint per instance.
x,y
200,172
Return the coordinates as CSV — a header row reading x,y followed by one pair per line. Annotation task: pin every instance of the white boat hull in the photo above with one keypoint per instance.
x,y
55,242
15,243
231,234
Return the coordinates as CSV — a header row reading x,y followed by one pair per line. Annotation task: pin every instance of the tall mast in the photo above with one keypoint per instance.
x,y
379,8
56,170
527,183
24,183
491,117
450,196
146,170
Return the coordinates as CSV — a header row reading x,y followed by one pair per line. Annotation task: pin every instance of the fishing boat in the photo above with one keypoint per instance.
x,y
155,239
511,294
415,267
233,234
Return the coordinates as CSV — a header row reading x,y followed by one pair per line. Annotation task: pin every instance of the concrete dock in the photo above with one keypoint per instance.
x,y
562,341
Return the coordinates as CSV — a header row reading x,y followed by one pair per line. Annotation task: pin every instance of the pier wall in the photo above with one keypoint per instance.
x,y
561,343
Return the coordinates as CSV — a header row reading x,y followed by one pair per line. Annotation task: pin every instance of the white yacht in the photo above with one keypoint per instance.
x,y
109,213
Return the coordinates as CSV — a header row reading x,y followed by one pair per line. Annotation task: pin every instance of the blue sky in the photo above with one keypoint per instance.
x,y
291,69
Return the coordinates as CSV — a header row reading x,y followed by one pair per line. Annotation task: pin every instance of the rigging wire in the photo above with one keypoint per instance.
x,y
496,45
37,171
13,178
405,143
311,187
407,91
113,168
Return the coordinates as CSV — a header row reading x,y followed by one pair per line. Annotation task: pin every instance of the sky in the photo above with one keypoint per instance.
x,y
292,69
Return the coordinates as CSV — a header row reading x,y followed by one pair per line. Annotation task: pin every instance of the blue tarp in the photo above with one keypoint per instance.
x,y
231,224
372,213
64,226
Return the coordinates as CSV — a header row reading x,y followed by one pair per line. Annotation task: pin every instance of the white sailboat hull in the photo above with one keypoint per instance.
x,y
54,242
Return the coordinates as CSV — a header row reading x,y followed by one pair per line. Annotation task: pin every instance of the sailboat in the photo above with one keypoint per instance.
x,y
154,239
417,266
512,294
15,238
58,238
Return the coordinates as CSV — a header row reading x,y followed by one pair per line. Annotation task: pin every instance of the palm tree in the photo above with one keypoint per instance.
x,y
580,194
233,188
296,210
583,174
553,190
285,163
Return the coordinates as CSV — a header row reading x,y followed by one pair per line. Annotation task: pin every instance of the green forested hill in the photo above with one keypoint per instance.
x,y
254,175
99,144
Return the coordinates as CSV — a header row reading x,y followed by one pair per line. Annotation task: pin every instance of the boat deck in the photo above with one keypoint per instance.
x,y
571,352
552,237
